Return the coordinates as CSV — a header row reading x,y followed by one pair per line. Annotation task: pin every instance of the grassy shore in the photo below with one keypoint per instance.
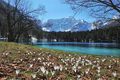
x,y
25,62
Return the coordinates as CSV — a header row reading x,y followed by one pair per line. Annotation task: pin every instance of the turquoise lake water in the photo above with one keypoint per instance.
x,y
111,49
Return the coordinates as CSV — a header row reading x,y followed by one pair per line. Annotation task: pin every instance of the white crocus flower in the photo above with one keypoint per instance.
x,y
109,66
98,71
94,61
44,63
31,65
21,59
77,64
34,76
90,63
78,76
28,53
93,66
103,60
39,58
99,68
79,67
39,54
18,51
80,58
48,64
42,69
34,59
46,72
65,68
98,74
52,72
83,63
61,67
114,74
87,71
56,67
17,72
6,54
74,68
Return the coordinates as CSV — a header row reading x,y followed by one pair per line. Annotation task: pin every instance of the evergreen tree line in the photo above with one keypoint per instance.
x,y
111,34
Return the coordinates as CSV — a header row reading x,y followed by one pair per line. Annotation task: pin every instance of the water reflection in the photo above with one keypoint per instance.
x,y
111,49
102,45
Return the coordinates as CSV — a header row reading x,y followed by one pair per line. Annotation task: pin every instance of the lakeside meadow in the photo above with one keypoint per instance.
x,y
25,62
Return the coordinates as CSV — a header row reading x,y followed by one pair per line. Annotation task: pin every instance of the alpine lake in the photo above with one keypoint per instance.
x,y
107,49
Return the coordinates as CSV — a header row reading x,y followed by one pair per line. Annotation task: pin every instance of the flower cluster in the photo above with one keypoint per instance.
x,y
53,65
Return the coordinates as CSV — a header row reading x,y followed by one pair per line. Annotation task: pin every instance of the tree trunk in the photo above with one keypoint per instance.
x,y
11,37
17,38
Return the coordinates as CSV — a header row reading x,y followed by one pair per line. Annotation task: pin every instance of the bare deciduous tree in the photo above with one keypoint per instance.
x,y
98,8
19,17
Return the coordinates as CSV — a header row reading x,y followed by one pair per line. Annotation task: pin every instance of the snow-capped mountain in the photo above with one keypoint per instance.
x,y
111,23
81,26
73,25
66,24
97,24
115,22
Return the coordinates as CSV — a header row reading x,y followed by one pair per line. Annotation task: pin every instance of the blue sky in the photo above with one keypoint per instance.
x,y
56,9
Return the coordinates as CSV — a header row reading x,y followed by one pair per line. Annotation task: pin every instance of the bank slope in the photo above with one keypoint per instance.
x,y
27,62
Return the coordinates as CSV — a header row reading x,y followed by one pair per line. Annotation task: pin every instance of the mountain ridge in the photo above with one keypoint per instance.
x,y
70,24
66,25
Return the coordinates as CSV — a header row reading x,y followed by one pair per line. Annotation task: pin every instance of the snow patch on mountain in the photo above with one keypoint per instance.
x,y
45,29
66,24
81,26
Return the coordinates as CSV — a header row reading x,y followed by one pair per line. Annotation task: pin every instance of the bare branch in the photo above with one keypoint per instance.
x,y
97,7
